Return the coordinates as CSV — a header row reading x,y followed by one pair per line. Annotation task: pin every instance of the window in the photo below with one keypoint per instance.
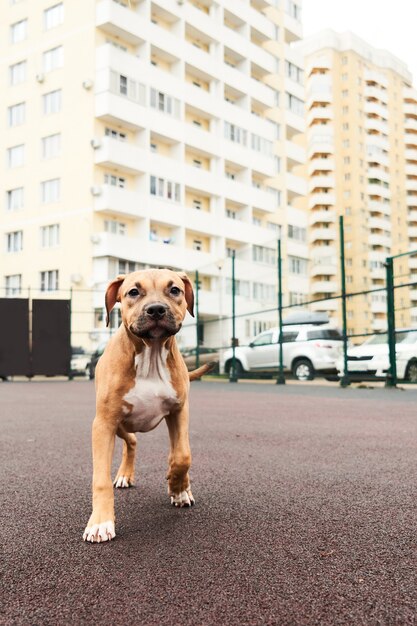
x,y
127,267
294,72
242,287
235,133
276,228
53,59
14,241
13,284
16,114
16,156
165,189
115,134
296,297
197,204
262,291
261,254
294,104
197,244
18,31
51,146
297,232
261,145
50,280
53,16
165,103
115,227
50,236
17,73
122,85
297,265
14,199
231,214
116,44
114,181
51,102
293,10
50,190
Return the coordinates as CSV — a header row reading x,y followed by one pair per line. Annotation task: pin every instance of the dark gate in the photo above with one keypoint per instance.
x,y
14,337
51,337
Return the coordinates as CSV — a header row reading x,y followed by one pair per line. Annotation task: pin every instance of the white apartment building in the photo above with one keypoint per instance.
x,y
153,134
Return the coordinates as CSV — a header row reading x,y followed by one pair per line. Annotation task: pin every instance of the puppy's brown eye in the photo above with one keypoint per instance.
x,y
175,291
133,293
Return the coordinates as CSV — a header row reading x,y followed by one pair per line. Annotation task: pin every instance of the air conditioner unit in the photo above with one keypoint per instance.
x,y
95,191
95,143
87,84
40,78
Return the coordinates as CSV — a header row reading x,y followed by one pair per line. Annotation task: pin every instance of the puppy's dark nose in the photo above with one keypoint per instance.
x,y
156,311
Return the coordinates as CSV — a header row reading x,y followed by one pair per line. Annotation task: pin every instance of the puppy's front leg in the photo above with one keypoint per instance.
x,y
179,460
100,526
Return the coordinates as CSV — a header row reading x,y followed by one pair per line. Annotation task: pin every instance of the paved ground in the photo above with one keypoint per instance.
x,y
306,511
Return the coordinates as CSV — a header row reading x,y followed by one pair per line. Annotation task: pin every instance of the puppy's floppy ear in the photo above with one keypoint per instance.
x,y
189,293
112,295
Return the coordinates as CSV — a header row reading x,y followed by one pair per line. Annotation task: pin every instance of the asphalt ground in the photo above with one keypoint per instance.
x,y
305,511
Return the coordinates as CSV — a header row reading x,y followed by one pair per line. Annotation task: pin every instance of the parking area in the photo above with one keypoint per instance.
x,y
305,511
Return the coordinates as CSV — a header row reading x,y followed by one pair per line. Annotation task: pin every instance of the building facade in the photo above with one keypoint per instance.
x,y
362,158
151,134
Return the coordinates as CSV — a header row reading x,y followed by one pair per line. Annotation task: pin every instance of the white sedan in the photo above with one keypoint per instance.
x,y
371,358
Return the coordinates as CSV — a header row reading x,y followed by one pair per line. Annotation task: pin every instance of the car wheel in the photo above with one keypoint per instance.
x,y
303,370
239,371
411,372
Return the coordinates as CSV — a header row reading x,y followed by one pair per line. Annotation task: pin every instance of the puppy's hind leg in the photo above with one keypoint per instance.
x,y
126,473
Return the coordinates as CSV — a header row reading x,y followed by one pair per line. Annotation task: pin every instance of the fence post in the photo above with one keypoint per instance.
x,y
70,376
232,373
345,380
197,320
391,380
280,378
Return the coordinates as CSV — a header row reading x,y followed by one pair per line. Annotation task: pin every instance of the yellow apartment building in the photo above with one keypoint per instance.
x,y
361,163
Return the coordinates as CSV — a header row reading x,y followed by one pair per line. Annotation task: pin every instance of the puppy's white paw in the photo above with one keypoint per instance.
x,y
122,482
100,532
185,498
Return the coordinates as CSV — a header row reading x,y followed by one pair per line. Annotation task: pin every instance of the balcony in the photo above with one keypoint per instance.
x,y
324,269
118,109
411,169
124,156
379,223
412,232
121,22
295,185
329,306
411,184
410,139
320,113
374,123
382,241
374,108
324,286
321,199
412,216
377,273
410,123
121,201
294,152
376,77
320,63
378,307
411,199
320,165
410,109
411,154
378,173
375,189
379,141
379,324
321,182
322,234
377,93
320,253
322,217
379,207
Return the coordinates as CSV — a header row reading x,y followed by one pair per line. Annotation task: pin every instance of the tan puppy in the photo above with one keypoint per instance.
x,y
141,379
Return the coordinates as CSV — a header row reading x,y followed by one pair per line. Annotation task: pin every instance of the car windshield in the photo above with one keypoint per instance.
x,y
377,339
408,338
325,333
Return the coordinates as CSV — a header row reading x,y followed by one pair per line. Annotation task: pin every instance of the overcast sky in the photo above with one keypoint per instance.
x,y
389,24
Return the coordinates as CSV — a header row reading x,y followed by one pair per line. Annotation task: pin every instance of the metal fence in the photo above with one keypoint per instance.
x,y
237,316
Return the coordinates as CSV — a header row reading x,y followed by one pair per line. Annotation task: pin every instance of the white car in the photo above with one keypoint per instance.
x,y
371,359
79,361
308,349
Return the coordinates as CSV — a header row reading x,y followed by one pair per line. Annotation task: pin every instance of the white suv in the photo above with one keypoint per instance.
x,y
308,349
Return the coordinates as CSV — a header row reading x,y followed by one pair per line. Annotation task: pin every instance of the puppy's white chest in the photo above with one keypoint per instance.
x,y
152,397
